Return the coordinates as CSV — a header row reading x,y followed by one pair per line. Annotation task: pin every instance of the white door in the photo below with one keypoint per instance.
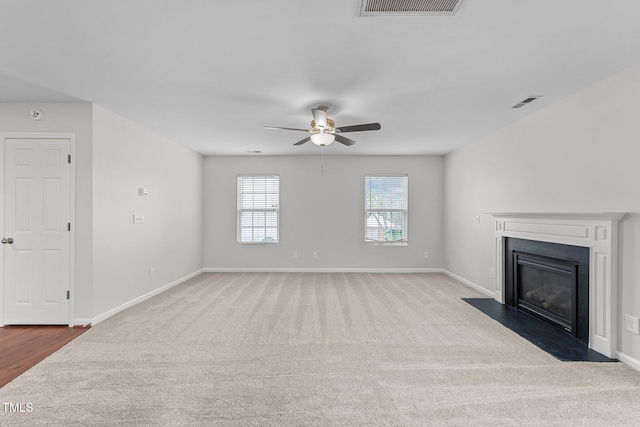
x,y
36,241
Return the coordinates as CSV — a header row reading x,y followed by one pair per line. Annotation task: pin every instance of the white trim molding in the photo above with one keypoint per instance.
x,y
138,300
596,231
321,270
628,360
469,283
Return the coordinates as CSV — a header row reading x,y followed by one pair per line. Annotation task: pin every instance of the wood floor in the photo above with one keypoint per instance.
x,y
22,347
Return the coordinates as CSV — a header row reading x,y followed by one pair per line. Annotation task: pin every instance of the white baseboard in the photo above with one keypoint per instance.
x,y
628,360
322,270
470,284
141,298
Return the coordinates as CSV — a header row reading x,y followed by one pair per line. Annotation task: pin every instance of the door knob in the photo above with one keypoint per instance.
x,y
5,240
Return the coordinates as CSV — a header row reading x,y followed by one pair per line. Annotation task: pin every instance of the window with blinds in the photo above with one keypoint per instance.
x,y
385,206
258,208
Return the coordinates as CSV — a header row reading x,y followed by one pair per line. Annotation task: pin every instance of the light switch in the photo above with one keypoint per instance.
x,y
138,219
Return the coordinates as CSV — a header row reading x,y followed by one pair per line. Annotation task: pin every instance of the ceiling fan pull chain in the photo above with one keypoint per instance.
x,y
322,160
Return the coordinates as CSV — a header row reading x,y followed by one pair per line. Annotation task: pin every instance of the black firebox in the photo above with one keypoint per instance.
x,y
550,282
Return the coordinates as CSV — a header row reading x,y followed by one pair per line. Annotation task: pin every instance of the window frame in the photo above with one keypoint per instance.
x,y
405,210
241,209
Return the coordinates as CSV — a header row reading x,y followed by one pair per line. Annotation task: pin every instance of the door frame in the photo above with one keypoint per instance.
x,y
72,209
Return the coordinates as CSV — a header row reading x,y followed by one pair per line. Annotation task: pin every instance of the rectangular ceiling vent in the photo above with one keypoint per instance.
x,y
409,7
526,101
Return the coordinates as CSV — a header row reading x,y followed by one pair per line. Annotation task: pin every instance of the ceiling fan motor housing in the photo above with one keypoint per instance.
x,y
330,125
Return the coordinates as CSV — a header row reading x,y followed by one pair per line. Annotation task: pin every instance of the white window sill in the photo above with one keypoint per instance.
x,y
381,243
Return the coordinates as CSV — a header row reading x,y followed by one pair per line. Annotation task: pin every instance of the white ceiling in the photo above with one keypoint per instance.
x,y
210,74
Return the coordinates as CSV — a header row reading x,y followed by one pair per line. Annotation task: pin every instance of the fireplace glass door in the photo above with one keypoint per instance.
x,y
547,288
549,281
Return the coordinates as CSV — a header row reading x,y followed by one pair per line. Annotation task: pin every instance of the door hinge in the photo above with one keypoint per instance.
x,y
68,294
68,158
68,226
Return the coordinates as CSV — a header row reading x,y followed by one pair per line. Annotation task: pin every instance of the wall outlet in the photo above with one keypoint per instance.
x,y
478,219
492,273
426,255
295,254
315,254
152,272
138,219
632,324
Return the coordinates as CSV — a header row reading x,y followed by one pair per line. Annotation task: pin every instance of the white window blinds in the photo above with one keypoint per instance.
x,y
258,208
386,201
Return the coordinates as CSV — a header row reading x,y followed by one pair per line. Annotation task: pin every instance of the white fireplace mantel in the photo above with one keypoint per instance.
x,y
596,231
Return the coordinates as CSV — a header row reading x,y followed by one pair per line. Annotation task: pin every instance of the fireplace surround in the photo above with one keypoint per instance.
x,y
598,233
549,281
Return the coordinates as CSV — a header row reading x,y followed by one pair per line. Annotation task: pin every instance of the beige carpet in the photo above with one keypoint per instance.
x,y
315,349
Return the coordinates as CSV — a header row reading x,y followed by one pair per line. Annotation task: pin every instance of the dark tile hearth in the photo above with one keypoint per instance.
x,y
558,344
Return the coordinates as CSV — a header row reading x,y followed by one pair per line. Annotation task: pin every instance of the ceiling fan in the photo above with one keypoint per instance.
x,y
324,131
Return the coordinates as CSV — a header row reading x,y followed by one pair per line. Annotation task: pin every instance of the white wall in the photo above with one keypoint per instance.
x,y
323,212
127,156
579,155
74,118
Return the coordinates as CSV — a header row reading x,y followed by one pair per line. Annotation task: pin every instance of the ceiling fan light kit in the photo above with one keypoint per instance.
x,y
324,131
322,139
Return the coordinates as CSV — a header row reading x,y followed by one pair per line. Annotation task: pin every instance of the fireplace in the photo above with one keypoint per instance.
x,y
598,234
550,282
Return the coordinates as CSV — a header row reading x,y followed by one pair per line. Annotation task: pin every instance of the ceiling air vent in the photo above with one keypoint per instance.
x,y
526,101
409,7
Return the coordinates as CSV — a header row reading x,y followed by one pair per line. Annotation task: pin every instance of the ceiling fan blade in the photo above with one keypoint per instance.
x,y
307,139
278,127
359,128
344,140
320,116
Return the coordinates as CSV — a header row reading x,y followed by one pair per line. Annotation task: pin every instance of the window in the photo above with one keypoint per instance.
x,y
258,201
386,209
